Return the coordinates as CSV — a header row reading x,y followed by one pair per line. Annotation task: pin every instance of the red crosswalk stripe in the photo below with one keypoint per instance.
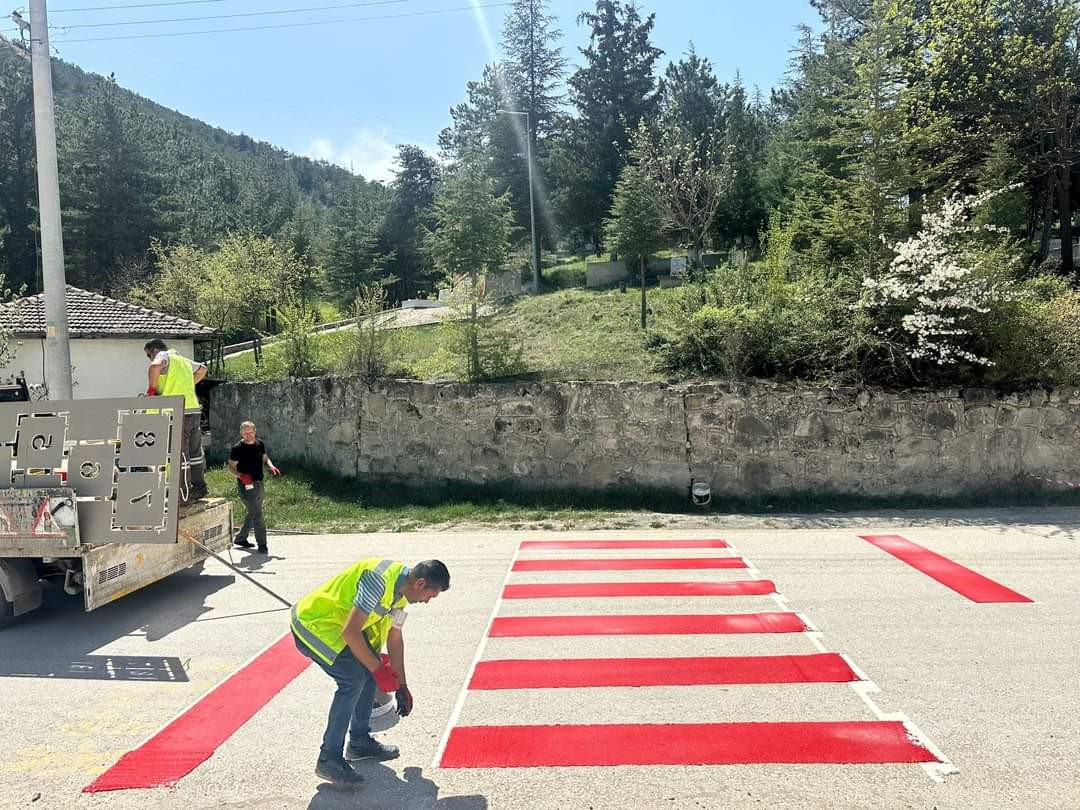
x,y
631,564
636,625
952,575
573,673
556,590
872,741
598,544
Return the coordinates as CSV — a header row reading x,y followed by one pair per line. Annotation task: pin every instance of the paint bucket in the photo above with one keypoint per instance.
x,y
383,711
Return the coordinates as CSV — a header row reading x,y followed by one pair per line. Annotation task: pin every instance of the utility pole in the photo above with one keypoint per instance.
x,y
57,348
534,236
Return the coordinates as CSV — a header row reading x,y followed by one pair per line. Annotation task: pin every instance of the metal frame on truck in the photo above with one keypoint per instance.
x,y
89,492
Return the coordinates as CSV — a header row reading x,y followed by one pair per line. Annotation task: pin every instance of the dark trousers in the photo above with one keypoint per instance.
x,y
192,462
253,501
350,710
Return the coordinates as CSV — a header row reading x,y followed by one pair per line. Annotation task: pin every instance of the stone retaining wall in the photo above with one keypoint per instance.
x,y
745,439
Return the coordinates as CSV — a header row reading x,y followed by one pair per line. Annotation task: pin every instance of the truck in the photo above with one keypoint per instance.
x,y
90,500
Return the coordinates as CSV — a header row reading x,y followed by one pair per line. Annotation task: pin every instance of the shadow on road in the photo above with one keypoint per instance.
x,y
59,639
383,788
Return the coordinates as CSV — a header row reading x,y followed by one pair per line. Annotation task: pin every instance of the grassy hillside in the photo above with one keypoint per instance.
x,y
568,334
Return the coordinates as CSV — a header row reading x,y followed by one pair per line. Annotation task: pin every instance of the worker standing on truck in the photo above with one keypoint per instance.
x,y
172,374
342,626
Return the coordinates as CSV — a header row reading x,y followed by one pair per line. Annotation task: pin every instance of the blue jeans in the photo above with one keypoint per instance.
x,y
351,707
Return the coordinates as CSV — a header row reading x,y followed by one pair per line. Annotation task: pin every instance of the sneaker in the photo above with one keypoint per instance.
x,y
371,749
338,772
243,544
263,550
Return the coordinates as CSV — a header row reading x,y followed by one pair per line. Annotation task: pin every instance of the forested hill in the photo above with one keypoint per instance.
x,y
132,171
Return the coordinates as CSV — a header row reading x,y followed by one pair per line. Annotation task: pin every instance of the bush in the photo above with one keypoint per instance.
x,y
565,276
752,322
1036,334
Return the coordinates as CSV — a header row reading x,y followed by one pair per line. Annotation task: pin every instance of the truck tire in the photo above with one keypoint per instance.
x,y
7,610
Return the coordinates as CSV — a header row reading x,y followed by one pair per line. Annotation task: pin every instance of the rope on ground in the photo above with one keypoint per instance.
x,y
242,573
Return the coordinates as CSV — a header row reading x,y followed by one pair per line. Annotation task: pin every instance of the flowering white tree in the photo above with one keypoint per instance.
x,y
942,278
689,176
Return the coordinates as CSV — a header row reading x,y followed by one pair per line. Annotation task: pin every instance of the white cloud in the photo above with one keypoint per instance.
x,y
370,153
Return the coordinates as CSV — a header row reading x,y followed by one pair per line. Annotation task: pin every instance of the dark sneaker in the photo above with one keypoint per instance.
x,y
340,773
371,749
243,544
263,550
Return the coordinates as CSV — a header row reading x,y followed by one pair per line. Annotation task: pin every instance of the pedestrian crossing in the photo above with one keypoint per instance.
x,y
687,604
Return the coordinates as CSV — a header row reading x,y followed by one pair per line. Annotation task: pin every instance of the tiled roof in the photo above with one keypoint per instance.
x,y
93,315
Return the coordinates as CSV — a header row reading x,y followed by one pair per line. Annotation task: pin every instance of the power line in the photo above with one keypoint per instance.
x,y
136,5
229,16
290,25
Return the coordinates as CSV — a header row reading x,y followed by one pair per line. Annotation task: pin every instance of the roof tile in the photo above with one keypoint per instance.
x,y
91,314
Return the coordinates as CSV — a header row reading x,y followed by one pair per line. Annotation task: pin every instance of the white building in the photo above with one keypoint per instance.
x,y
107,338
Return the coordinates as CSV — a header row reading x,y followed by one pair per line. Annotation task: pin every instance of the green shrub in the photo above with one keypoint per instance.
x,y
1036,333
750,321
565,276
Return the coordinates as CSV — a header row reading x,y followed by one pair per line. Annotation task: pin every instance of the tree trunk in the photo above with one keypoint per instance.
x,y
693,255
1065,216
1047,222
642,292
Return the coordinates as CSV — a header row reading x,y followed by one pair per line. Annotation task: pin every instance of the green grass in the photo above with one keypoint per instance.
x,y
307,500
568,334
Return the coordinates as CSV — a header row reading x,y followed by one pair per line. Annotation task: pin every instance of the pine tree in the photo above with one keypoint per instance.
x,y
408,214
110,187
534,68
613,92
18,254
635,227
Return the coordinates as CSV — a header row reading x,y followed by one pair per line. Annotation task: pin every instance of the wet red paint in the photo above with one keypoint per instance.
x,y
552,590
631,564
963,580
573,673
595,544
192,738
665,625
860,742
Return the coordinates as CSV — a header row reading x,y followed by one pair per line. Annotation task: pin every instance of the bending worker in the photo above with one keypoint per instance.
x,y
342,626
172,374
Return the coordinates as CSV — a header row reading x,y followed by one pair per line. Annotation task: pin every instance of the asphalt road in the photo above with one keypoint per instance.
x,y
992,687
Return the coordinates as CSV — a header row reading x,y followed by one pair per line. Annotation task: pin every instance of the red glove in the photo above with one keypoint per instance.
x,y
246,479
151,391
385,679
404,701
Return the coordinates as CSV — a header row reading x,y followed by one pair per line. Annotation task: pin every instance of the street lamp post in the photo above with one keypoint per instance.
x,y
535,245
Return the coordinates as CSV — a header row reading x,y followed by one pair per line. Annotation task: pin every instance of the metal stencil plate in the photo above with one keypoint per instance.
x,y
120,456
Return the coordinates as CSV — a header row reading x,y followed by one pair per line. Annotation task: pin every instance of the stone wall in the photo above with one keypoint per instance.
x,y
744,439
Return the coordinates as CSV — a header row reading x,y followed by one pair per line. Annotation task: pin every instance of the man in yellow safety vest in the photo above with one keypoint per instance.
x,y
172,374
343,626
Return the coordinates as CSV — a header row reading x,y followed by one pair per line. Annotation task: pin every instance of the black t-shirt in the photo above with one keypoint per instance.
x,y
249,458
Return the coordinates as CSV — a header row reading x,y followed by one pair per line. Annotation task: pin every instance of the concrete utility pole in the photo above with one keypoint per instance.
x,y
533,236
57,349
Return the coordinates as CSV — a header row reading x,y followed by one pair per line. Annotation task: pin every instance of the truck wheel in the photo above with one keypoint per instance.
x,y
7,610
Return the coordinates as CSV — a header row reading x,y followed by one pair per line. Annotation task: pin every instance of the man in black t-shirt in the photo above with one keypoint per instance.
x,y
246,461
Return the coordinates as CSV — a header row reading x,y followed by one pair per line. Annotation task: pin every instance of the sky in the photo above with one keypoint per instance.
x,y
369,74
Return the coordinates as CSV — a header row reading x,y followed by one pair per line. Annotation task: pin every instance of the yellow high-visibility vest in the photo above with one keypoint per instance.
x,y
319,617
179,381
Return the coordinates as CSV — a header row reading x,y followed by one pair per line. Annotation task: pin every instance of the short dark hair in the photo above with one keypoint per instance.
x,y
434,572
157,344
